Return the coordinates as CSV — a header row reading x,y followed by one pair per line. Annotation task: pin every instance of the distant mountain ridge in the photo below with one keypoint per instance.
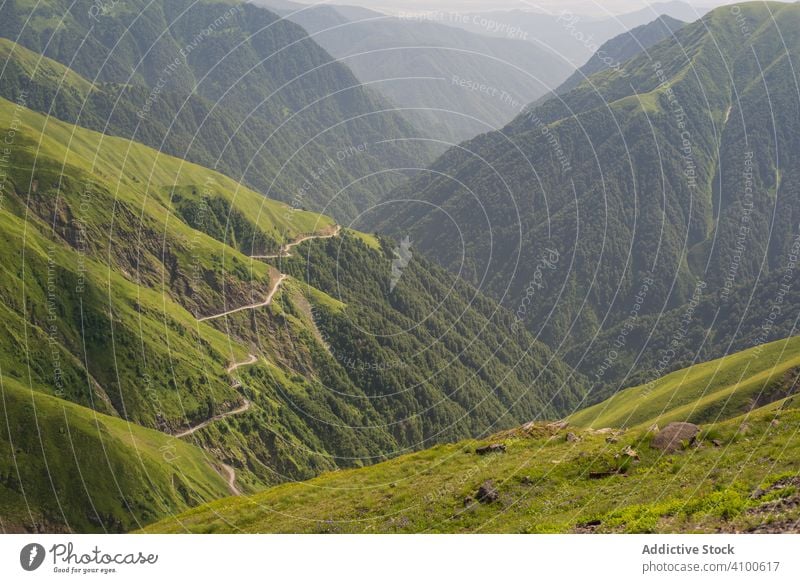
x,y
455,83
574,36
624,47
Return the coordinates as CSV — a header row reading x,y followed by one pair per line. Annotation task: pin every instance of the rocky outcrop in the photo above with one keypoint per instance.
x,y
674,436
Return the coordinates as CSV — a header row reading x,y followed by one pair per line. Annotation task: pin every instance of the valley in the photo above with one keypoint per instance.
x,y
268,267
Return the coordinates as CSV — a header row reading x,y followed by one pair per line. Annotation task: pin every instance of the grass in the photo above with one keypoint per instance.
x,y
80,470
703,393
545,484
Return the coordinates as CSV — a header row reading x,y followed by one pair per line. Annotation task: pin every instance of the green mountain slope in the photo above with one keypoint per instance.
x,y
632,197
64,467
225,84
129,288
704,393
457,84
739,475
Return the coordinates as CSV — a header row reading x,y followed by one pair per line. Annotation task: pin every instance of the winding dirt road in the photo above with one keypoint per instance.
x,y
229,472
266,302
251,359
241,409
285,249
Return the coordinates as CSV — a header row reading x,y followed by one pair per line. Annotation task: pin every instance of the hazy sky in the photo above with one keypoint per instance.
x,y
596,7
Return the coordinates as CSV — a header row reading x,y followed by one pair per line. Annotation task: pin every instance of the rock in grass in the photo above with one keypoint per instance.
x,y
487,493
673,436
630,453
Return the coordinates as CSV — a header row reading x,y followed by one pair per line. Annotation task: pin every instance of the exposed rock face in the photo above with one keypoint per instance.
x,y
672,437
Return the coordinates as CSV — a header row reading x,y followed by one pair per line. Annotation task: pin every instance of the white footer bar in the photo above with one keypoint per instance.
x,y
401,558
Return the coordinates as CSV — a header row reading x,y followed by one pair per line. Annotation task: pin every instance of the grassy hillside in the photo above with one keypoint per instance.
x,y
741,475
64,467
705,392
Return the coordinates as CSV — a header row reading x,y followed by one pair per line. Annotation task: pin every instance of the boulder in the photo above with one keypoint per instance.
x,y
572,438
673,436
487,493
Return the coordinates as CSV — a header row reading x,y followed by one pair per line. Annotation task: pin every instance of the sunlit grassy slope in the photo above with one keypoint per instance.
x,y
703,393
64,466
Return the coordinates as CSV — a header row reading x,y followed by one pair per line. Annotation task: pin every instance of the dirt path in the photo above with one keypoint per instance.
x,y
230,474
238,410
250,360
266,302
228,471
285,249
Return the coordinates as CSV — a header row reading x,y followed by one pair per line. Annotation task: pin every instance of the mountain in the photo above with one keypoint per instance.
x,y
225,84
624,47
576,37
655,206
455,84
65,468
153,307
739,473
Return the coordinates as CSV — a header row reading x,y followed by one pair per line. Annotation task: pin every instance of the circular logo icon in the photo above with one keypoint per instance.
x,y
31,556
